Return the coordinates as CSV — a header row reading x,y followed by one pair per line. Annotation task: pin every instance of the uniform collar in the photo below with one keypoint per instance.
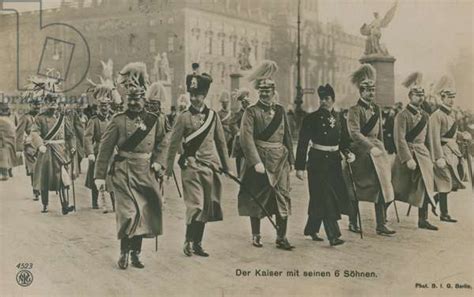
x,y
132,115
413,109
265,106
364,103
194,110
445,109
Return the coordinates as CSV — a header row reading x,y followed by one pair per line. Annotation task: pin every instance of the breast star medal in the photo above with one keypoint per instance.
x,y
332,122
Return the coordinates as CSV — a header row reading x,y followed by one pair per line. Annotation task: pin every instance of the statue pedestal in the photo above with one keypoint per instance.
x,y
385,82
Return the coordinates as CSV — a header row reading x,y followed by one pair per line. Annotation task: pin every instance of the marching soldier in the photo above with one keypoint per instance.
x,y
23,140
328,193
445,150
266,142
242,96
137,136
372,172
225,114
96,126
412,173
8,155
52,135
200,131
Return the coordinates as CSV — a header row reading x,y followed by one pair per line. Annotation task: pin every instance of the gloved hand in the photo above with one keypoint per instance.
x,y
19,155
375,151
411,164
300,174
158,168
100,184
466,136
91,157
441,163
42,149
73,150
259,168
351,157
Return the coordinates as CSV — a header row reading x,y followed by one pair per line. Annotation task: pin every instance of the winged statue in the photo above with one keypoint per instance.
x,y
373,32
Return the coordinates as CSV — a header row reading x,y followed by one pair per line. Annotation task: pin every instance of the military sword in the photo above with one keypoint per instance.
x,y
237,180
355,197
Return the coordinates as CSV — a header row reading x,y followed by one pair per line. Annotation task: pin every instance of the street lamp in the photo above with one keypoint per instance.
x,y
299,113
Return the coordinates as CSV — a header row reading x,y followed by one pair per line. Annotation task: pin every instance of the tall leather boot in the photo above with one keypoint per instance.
x,y
281,241
353,223
187,250
44,201
443,205
423,217
198,235
124,251
381,228
256,238
136,247
95,197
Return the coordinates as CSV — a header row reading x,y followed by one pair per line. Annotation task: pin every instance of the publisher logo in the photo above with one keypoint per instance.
x,y
24,278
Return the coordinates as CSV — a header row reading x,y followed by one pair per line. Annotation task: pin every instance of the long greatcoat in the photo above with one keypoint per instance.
x,y
52,167
372,175
446,179
137,195
92,136
411,185
23,141
272,189
328,197
7,143
202,187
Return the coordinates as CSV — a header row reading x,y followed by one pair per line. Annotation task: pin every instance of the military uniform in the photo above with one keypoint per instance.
x,y
415,187
7,143
95,129
23,144
52,130
226,120
328,193
443,130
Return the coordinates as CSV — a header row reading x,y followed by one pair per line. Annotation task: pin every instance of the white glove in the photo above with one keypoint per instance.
x,y
300,174
467,136
91,157
351,157
157,168
19,155
42,149
375,151
441,163
411,164
100,184
259,168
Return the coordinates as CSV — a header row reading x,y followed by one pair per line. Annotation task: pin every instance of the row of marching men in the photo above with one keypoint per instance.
x,y
134,151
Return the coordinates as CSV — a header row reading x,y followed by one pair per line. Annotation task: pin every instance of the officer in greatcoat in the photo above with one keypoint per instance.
x,y
23,140
371,169
104,95
198,130
226,116
444,147
242,96
412,172
267,146
138,139
328,193
8,156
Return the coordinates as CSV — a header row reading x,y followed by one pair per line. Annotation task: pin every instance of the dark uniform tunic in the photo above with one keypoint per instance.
x,y
276,153
137,194
226,120
328,192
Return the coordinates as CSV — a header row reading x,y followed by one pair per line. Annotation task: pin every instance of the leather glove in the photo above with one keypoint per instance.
x,y
351,157
158,168
411,164
259,168
42,149
375,151
100,184
300,174
91,157
441,163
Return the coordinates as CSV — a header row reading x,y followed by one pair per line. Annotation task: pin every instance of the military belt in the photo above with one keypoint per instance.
x,y
325,148
58,141
133,155
266,144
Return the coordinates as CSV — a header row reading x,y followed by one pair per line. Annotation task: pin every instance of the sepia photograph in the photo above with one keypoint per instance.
x,y
234,148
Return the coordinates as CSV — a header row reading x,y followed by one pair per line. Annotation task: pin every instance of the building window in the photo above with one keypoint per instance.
x,y
222,46
234,48
209,45
170,44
